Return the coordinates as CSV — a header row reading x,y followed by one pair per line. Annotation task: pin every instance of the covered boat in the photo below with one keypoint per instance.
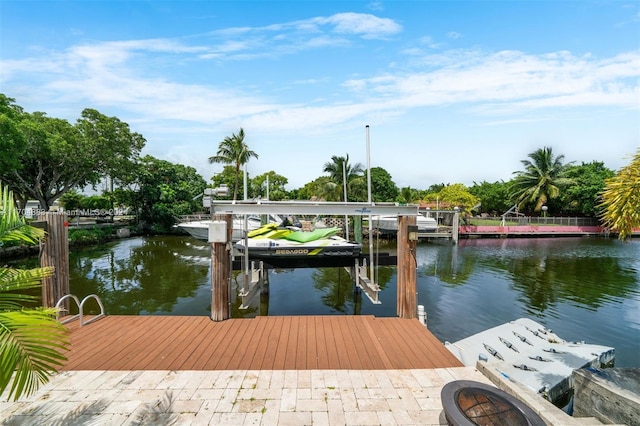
x,y
272,241
199,229
389,224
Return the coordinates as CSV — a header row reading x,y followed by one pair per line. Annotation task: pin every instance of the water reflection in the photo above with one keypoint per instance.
x,y
543,271
584,289
141,276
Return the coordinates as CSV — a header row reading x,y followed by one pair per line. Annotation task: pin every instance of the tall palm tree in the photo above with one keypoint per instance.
x,y
541,179
621,199
32,340
340,170
233,151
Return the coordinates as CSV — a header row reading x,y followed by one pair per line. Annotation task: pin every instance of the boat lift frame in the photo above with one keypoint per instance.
x,y
308,208
259,207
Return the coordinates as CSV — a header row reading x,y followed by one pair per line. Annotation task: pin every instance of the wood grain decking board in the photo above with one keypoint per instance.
x,y
263,343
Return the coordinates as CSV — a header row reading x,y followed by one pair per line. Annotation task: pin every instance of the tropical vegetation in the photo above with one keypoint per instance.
x,y
234,151
50,156
540,181
621,199
157,191
32,340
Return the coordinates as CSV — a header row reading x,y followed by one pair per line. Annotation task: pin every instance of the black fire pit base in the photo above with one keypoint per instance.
x,y
469,403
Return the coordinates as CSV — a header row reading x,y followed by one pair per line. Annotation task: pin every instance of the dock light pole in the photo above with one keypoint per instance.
x,y
370,203
344,183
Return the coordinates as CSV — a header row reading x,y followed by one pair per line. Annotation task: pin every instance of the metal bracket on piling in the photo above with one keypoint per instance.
x,y
371,289
256,280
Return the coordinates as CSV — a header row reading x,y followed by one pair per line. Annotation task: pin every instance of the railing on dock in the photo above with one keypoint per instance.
x,y
80,305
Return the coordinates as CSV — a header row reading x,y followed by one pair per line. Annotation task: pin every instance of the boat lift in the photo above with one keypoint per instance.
x,y
261,207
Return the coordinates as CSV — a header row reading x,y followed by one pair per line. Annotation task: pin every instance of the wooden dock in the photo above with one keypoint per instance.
x,y
123,342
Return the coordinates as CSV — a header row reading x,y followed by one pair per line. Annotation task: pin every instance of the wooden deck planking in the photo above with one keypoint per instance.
x,y
437,352
128,341
272,344
392,344
262,343
403,352
375,344
361,350
256,358
323,356
311,360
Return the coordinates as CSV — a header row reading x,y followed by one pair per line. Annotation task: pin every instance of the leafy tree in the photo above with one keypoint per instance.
x,y
93,202
228,177
580,198
277,182
12,142
383,189
58,156
311,190
621,199
32,340
122,150
162,191
541,179
408,195
71,200
493,196
435,188
456,195
233,151
339,170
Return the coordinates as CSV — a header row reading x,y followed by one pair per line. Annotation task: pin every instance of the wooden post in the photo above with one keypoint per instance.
x,y
55,252
455,227
406,296
220,273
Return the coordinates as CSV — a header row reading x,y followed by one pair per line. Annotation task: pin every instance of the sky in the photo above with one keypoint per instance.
x,y
451,91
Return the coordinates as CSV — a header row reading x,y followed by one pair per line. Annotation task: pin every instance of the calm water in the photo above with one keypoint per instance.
x,y
582,288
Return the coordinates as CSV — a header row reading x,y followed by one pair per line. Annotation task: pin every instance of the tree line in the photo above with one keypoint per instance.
x,y
49,159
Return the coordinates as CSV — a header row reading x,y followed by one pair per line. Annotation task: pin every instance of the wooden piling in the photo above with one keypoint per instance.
x,y
406,296
455,227
220,273
55,252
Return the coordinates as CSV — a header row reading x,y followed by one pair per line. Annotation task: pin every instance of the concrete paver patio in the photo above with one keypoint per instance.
x,y
239,397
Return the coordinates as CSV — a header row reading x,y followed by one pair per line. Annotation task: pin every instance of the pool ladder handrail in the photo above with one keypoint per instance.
x,y
80,305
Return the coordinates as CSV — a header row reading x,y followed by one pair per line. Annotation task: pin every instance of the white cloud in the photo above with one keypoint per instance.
x,y
135,80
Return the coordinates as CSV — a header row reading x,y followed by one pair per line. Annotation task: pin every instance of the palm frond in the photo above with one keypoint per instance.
x,y
12,226
32,345
13,282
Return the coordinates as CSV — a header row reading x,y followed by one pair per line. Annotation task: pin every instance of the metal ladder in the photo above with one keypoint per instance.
x,y
80,305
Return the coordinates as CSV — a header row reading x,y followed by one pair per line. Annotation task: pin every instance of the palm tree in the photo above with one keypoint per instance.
x,y
621,199
233,151
541,179
408,194
339,169
32,340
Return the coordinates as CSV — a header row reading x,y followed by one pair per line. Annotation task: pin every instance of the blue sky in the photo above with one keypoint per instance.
x,y
452,91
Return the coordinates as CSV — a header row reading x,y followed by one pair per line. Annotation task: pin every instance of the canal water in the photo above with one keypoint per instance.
x,y
584,289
